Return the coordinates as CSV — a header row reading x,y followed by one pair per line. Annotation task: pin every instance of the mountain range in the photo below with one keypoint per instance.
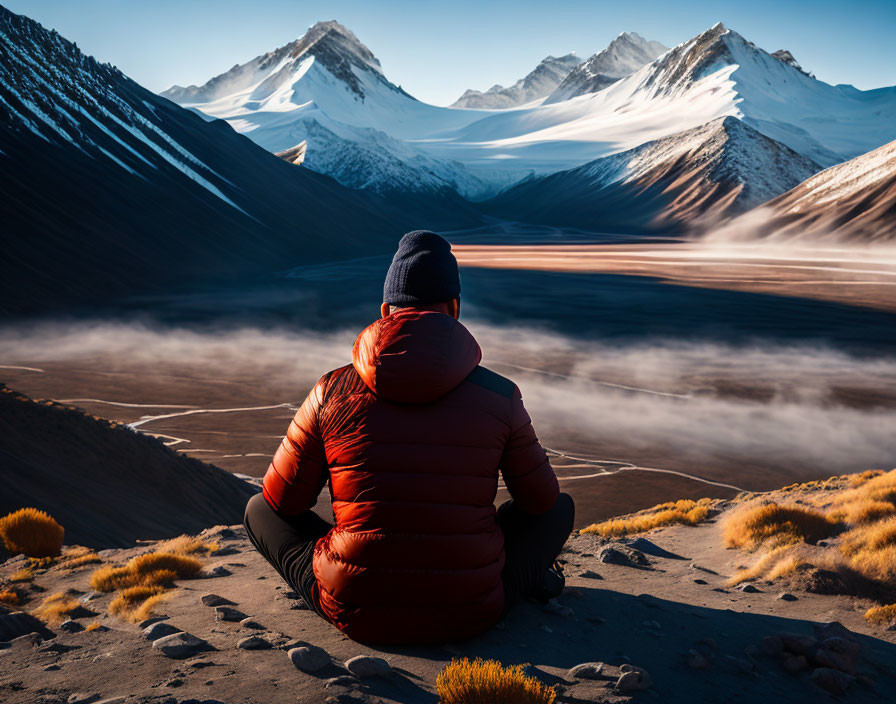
x,y
110,190
148,192
536,85
632,100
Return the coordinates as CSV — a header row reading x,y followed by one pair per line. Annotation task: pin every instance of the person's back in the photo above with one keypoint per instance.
x,y
412,437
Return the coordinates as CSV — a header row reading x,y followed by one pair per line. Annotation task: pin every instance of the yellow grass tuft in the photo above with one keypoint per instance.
x,y
155,568
754,525
862,477
870,537
9,597
863,511
31,532
881,614
56,608
188,545
131,599
684,512
92,626
76,557
144,611
489,682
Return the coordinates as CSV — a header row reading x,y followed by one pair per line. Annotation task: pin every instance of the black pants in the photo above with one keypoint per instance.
x,y
531,544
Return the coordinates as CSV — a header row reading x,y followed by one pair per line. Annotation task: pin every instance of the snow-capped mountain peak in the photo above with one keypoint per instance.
x,y
624,55
537,84
329,44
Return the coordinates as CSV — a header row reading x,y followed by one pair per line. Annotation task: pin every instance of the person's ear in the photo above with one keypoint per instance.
x,y
384,310
454,308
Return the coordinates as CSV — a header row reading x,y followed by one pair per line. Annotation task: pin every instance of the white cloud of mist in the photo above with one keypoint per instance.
x,y
780,405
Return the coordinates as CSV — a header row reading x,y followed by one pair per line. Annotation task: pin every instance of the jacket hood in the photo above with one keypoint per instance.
x,y
415,356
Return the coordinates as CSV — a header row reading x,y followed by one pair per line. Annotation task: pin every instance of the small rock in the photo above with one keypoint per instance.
x,y
299,605
180,645
798,643
697,661
309,658
590,574
50,667
228,613
786,596
700,581
618,554
253,643
820,581
831,680
794,663
633,679
368,666
147,622
748,588
291,595
70,626
586,671
248,622
90,596
838,653
215,600
219,571
720,589
159,629
81,612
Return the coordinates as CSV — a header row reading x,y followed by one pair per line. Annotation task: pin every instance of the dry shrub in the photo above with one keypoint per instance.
x,y
862,477
764,564
881,614
864,511
144,611
9,597
56,608
76,557
772,524
187,545
109,578
870,537
685,512
132,598
489,682
154,568
878,565
31,532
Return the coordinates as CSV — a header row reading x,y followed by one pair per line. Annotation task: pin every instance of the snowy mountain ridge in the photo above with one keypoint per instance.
x,y
327,89
623,56
536,85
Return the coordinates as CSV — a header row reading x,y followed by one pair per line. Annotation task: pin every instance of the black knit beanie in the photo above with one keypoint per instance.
x,y
423,270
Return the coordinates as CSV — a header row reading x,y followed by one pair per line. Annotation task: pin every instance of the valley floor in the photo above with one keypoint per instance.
x,y
856,276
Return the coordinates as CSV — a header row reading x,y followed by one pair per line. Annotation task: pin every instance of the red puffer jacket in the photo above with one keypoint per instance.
x,y
411,436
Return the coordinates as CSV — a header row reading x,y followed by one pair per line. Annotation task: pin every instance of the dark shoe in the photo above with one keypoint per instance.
x,y
552,583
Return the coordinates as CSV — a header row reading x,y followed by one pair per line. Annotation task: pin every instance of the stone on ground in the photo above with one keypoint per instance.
x,y
368,666
586,671
160,629
180,645
309,658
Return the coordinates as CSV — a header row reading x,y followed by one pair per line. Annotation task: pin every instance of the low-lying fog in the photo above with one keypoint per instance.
x,y
779,406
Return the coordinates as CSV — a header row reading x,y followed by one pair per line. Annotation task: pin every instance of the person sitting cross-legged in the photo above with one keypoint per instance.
x,y
412,438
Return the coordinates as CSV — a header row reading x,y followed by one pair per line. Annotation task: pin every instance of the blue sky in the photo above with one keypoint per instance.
x,y
436,50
